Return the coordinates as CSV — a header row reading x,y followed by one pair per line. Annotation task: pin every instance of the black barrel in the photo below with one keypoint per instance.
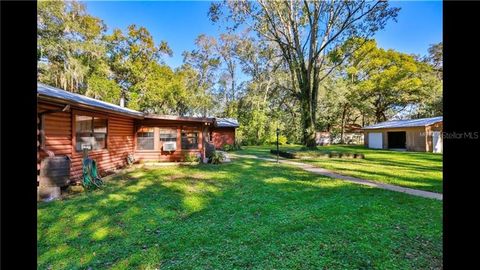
x,y
55,171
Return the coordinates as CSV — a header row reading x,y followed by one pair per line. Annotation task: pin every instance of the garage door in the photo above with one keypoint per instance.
x,y
375,140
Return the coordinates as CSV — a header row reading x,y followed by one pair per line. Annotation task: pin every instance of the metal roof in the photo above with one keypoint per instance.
x,y
49,91
407,123
226,122
179,118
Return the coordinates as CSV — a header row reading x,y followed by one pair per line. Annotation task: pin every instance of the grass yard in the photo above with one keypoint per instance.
x,y
417,170
245,214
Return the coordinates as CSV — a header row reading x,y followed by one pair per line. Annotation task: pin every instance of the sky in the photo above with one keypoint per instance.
x,y
179,23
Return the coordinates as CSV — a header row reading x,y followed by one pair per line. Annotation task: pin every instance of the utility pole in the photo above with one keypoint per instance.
x,y
278,131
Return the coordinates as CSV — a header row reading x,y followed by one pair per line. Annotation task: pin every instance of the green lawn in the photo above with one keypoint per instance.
x,y
245,214
417,170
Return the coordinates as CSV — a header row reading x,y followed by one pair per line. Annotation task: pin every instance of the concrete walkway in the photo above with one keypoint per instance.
x,y
317,170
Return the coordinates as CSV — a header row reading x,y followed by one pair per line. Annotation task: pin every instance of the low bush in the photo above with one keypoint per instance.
x,y
316,154
216,157
281,140
227,147
231,147
191,157
361,156
308,148
284,154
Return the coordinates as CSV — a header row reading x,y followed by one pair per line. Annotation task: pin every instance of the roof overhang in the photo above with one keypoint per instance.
x,y
53,95
179,118
216,126
226,123
399,127
405,124
57,100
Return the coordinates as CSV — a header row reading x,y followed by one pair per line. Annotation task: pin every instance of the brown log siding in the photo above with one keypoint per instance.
x,y
157,154
59,138
222,136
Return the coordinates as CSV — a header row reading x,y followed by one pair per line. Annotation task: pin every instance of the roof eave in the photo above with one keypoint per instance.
x,y
436,122
86,106
179,118
227,126
374,128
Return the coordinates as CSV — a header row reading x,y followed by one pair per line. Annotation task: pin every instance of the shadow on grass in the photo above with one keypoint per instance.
x,y
404,174
409,169
243,214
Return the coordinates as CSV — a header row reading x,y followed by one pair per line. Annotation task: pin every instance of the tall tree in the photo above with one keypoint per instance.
x,y
303,33
70,46
258,61
204,61
435,58
432,105
388,80
336,105
227,50
132,56
266,102
99,86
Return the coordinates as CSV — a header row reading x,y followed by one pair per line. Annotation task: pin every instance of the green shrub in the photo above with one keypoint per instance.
x,y
281,140
305,148
231,147
190,157
216,157
227,147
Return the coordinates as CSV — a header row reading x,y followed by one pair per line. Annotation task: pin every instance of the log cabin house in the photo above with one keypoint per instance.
x,y
224,132
69,122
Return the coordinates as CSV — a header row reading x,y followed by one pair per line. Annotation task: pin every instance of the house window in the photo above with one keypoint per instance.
x,y
168,135
189,139
91,132
145,139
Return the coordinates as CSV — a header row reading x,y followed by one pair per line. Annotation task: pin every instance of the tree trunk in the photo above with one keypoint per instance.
x,y
233,87
380,116
344,112
307,123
